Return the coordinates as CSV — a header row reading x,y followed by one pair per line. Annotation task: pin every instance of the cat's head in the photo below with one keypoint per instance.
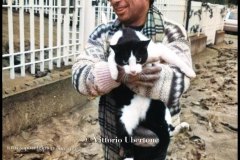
x,y
130,50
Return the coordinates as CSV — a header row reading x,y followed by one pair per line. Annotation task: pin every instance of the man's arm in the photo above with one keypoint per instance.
x,y
90,72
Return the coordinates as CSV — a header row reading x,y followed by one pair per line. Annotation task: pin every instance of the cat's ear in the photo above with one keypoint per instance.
x,y
114,47
145,43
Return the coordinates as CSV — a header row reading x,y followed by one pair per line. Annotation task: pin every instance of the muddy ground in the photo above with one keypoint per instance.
x,y
209,106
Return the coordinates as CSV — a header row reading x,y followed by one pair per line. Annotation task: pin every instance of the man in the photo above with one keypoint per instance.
x,y
91,74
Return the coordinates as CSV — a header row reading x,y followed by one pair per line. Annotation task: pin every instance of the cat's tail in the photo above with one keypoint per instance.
x,y
189,72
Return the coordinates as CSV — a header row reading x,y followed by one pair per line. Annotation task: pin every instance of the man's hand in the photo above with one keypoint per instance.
x,y
146,78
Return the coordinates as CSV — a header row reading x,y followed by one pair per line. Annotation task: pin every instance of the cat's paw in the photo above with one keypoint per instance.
x,y
189,72
180,127
114,73
112,65
184,125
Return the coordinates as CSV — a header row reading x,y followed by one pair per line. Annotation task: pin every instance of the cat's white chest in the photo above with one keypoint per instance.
x,y
135,112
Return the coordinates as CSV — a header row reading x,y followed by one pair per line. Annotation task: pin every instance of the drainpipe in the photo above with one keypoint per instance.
x,y
188,13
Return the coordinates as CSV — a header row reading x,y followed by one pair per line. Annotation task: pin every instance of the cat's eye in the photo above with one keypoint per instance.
x,y
125,62
139,60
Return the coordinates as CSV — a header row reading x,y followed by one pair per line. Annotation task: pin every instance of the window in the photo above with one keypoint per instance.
x,y
233,16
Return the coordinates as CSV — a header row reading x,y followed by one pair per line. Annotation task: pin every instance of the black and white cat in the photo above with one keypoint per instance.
x,y
128,41
130,49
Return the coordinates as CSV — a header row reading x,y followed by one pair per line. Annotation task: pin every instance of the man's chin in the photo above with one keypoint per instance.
x,y
122,18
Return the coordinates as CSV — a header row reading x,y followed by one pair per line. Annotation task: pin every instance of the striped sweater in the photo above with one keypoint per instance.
x,y
91,75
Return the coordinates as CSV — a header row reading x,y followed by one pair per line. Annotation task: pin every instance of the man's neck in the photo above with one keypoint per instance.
x,y
138,28
135,25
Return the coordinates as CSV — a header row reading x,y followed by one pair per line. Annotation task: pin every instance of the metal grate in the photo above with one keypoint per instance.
x,y
53,34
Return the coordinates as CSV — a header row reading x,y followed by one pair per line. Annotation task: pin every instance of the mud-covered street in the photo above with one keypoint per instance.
x,y
209,106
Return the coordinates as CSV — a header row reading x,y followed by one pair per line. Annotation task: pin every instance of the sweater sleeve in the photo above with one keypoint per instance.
x,y
172,82
90,71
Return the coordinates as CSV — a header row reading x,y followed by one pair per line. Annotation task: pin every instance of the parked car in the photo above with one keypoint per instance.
x,y
231,22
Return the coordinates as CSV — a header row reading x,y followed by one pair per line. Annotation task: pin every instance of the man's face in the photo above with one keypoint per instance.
x,y
131,12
